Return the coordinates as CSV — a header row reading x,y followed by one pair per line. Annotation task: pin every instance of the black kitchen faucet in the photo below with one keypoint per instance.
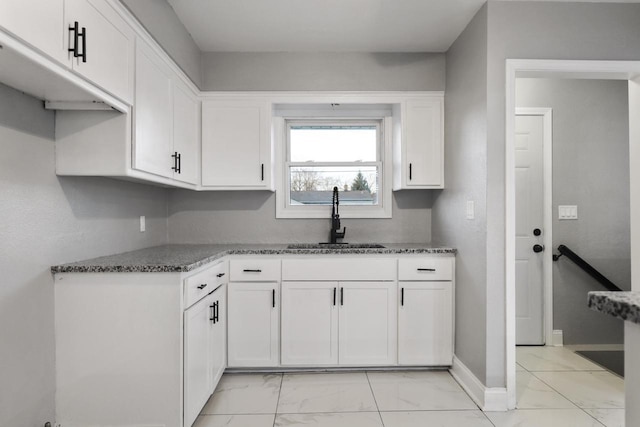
x,y
335,218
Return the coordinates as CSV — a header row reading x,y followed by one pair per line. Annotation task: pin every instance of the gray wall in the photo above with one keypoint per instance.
x,y
158,17
323,71
536,30
249,217
465,179
591,170
47,220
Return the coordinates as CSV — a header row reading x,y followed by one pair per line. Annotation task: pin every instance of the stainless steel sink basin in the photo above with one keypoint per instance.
x,y
335,246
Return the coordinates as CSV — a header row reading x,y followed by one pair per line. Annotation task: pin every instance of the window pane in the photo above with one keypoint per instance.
x,y
333,143
313,185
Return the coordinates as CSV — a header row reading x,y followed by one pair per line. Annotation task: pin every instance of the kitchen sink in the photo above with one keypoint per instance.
x,y
335,246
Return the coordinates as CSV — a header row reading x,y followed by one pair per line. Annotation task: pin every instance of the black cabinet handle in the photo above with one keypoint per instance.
x,y
220,274
75,31
410,171
426,269
179,163
216,312
175,161
252,271
273,298
334,295
202,286
213,313
341,296
83,34
402,296
262,171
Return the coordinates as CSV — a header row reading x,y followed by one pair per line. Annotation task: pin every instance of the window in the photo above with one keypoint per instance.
x,y
319,155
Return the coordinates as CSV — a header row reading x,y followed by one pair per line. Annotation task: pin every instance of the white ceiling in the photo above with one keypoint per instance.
x,y
325,25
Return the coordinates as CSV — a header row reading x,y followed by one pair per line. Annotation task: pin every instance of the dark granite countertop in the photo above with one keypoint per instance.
x,y
182,258
623,305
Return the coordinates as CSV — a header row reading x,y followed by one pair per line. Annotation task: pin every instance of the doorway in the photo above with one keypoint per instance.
x,y
617,70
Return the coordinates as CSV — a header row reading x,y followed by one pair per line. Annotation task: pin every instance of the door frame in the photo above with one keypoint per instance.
x,y
547,220
612,70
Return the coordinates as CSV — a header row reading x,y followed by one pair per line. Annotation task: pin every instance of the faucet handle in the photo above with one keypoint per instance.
x,y
340,234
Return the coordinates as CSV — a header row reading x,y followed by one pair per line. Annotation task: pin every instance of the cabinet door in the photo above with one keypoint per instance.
x,y
309,323
236,141
39,23
423,143
367,323
197,358
153,119
425,323
107,47
253,324
219,336
186,133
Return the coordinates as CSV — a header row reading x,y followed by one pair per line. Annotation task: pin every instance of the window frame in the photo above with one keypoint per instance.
x,y
284,208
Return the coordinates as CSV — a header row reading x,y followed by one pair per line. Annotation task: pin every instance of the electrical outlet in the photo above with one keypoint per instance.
x,y
471,209
143,224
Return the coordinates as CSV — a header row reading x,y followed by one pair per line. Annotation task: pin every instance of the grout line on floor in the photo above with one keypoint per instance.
x,y
374,397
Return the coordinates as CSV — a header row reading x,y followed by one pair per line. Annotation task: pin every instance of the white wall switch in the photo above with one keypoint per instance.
x,y
143,225
471,209
567,212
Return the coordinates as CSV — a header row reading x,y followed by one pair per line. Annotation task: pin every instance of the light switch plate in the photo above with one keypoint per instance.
x,y
567,212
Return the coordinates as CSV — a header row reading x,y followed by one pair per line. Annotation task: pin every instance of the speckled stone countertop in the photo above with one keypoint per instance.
x,y
182,258
623,305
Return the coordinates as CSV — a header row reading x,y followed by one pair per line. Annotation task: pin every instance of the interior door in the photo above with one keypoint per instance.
x,y
529,220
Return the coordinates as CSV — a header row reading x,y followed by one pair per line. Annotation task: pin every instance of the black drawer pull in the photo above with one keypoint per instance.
x,y
402,296
426,269
341,296
202,286
220,274
252,271
334,295
273,298
410,171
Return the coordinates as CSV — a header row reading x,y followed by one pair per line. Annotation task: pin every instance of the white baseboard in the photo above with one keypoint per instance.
x,y
557,339
487,398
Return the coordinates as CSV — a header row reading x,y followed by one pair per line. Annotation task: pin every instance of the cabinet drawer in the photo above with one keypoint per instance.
x,y
254,270
425,269
339,269
202,283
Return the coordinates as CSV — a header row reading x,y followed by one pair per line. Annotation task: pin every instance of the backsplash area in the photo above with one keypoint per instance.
x,y
249,217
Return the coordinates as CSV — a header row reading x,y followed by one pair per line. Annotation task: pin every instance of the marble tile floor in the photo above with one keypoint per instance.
x,y
555,387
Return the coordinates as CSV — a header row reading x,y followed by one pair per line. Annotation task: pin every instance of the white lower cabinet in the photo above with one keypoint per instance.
x,y
310,323
338,323
425,323
204,351
254,324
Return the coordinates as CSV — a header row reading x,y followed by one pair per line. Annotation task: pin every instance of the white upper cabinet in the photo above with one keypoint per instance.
x,y
153,114
166,120
102,46
236,144
186,133
40,23
419,144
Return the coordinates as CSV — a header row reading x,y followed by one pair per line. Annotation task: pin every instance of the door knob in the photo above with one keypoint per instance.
x,y
538,248
537,232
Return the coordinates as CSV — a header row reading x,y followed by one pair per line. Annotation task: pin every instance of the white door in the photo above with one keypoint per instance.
x,y
186,133
425,323
153,114
253,324
368,323
235,137
219,335
197,358
309,323
529,220
38,22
